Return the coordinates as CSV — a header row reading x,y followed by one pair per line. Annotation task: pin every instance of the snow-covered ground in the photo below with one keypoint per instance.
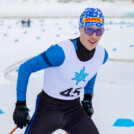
x,y
53,8
114,88
22,43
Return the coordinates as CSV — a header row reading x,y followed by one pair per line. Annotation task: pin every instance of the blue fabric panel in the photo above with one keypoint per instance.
x,y
34,116
75,44
55,55
105,57
88,89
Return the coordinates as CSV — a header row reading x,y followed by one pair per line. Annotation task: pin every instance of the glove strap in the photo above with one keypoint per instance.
x,y
22,103
88,97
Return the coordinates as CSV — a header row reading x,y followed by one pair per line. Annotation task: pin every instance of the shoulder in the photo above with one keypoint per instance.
x,y
55,55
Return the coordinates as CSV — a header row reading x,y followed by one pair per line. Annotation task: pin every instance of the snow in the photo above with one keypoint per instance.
x,y
114,88
53,9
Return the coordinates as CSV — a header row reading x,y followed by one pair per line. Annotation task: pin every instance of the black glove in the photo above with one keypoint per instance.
x,y
87,104
21,116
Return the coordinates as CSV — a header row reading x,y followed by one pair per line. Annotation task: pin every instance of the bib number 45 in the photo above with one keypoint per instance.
x,y
70,93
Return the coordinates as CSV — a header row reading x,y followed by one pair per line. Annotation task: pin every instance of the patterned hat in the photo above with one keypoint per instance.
x,y
91,17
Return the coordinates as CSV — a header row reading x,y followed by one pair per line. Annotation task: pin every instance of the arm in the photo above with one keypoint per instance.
x,y
53,57
88,89
88,92
88,95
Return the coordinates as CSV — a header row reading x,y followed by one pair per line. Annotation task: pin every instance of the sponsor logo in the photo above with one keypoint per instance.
x,y
93,19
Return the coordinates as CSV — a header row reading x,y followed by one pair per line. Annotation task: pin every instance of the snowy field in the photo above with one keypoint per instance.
x,y
53,8
114,88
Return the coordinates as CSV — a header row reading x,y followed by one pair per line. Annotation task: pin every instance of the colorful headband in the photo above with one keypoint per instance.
x,y
91,17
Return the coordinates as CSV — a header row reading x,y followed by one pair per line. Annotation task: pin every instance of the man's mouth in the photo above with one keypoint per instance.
x,y
92,42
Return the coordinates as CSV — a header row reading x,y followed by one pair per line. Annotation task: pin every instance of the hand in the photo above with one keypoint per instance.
x,y
21,116
87,106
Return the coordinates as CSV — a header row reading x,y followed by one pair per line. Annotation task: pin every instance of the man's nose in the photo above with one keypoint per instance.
x,y
94,36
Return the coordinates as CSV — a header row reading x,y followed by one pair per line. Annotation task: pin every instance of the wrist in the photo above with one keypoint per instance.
x,y
88,97
21,103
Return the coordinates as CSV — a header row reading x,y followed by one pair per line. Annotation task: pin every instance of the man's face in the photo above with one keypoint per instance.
x,y
89,41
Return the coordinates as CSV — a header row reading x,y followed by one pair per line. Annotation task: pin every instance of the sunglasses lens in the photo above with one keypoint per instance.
x,y
89,31
99,32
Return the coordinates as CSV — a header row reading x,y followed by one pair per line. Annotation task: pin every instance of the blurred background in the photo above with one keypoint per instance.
x,y
29,27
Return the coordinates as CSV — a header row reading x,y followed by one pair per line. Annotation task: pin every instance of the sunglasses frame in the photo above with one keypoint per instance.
x,y
94,31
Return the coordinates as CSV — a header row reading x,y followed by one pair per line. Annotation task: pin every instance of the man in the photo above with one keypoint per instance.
x,y
70,66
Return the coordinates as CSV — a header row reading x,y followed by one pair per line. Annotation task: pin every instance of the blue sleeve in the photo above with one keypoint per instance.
x,y
88,89
54,56
105,57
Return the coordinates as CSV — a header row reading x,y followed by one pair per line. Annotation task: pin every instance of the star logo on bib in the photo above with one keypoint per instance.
x,y
80,76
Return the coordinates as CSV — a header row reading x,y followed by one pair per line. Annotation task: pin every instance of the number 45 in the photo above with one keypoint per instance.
x,y
69,92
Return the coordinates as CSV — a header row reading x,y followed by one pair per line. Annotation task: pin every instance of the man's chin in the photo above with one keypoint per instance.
x,y
91,47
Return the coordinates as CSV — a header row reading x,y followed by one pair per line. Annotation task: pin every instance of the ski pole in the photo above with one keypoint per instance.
x,y
28,120
13,130
16,128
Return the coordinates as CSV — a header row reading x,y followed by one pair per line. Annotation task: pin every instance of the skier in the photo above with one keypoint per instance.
x,y
71,66
28,23
25,22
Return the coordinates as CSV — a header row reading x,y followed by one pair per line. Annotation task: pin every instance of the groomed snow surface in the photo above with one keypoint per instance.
x,y
114,88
